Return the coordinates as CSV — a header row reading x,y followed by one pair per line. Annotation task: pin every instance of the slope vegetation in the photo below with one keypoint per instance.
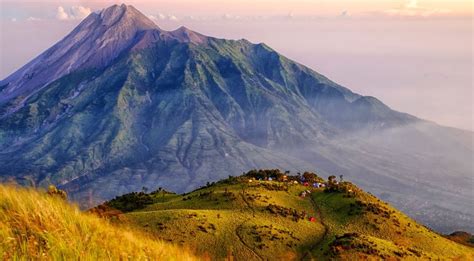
x,y
359,225
37,226
267,215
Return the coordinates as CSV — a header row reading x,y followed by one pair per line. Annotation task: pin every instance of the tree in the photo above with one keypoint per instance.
x,y
332,184
144,189
311,177
341,178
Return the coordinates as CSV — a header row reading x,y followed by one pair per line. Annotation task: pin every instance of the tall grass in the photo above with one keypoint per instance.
x,y
37,226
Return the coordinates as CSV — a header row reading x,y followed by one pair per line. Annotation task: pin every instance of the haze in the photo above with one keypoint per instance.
x,y
416,56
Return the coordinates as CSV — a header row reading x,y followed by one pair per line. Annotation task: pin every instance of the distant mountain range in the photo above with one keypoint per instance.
x,y
119,104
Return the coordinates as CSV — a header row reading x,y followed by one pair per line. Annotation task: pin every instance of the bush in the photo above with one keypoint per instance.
x,y
130,201
53,191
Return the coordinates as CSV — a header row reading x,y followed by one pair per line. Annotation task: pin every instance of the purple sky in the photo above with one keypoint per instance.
x,y
418,60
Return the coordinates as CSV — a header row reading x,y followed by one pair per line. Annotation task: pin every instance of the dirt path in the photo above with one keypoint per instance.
x,y
243,242
239,227
326,229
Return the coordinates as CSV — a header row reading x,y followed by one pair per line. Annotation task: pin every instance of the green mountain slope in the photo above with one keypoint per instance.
x,y
246,218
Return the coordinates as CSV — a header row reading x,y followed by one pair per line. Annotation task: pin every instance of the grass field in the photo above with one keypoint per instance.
x,y
36,226
374,228
256,220
238,218
233,220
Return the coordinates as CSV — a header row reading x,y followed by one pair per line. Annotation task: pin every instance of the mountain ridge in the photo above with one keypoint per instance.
x,y
120,28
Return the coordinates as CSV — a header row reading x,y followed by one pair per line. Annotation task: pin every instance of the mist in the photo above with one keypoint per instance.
x,y
421,168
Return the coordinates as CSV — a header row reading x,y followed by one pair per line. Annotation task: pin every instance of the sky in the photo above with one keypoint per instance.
x,y
414,55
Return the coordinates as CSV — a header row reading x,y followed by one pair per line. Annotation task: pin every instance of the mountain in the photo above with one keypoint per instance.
x,y
36,226
119,104
250,219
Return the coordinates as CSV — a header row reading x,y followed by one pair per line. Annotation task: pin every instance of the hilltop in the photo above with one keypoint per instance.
x,y
36,226
269,215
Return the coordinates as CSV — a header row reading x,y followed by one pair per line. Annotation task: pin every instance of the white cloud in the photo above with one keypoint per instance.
x,y
231,17
75,12
33,19
413,9
61,14
162,17
80,12
13,19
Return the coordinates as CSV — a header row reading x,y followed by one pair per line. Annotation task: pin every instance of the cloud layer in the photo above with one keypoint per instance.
x,y
412,8
75,12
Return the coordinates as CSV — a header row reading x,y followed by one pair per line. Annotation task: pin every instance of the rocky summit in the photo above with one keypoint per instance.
x,y
120,104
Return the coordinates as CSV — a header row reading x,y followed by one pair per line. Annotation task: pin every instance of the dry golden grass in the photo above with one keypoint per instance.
x,y
34,225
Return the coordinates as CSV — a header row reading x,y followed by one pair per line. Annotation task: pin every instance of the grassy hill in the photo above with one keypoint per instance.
x,y
36,226
250,219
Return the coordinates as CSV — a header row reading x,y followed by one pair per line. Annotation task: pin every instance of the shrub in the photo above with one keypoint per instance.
x,y
131,201
53,191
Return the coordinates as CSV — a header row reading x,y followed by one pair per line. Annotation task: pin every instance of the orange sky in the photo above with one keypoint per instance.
x,y
294,7
310,7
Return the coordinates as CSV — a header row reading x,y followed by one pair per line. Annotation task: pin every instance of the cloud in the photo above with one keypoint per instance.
x,y
33,19
75,12
411,8
163,17
231,17
61,14
80,12
13,19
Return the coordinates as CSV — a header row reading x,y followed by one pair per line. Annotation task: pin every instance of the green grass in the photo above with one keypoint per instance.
x,y
233,219
34,226
389,231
